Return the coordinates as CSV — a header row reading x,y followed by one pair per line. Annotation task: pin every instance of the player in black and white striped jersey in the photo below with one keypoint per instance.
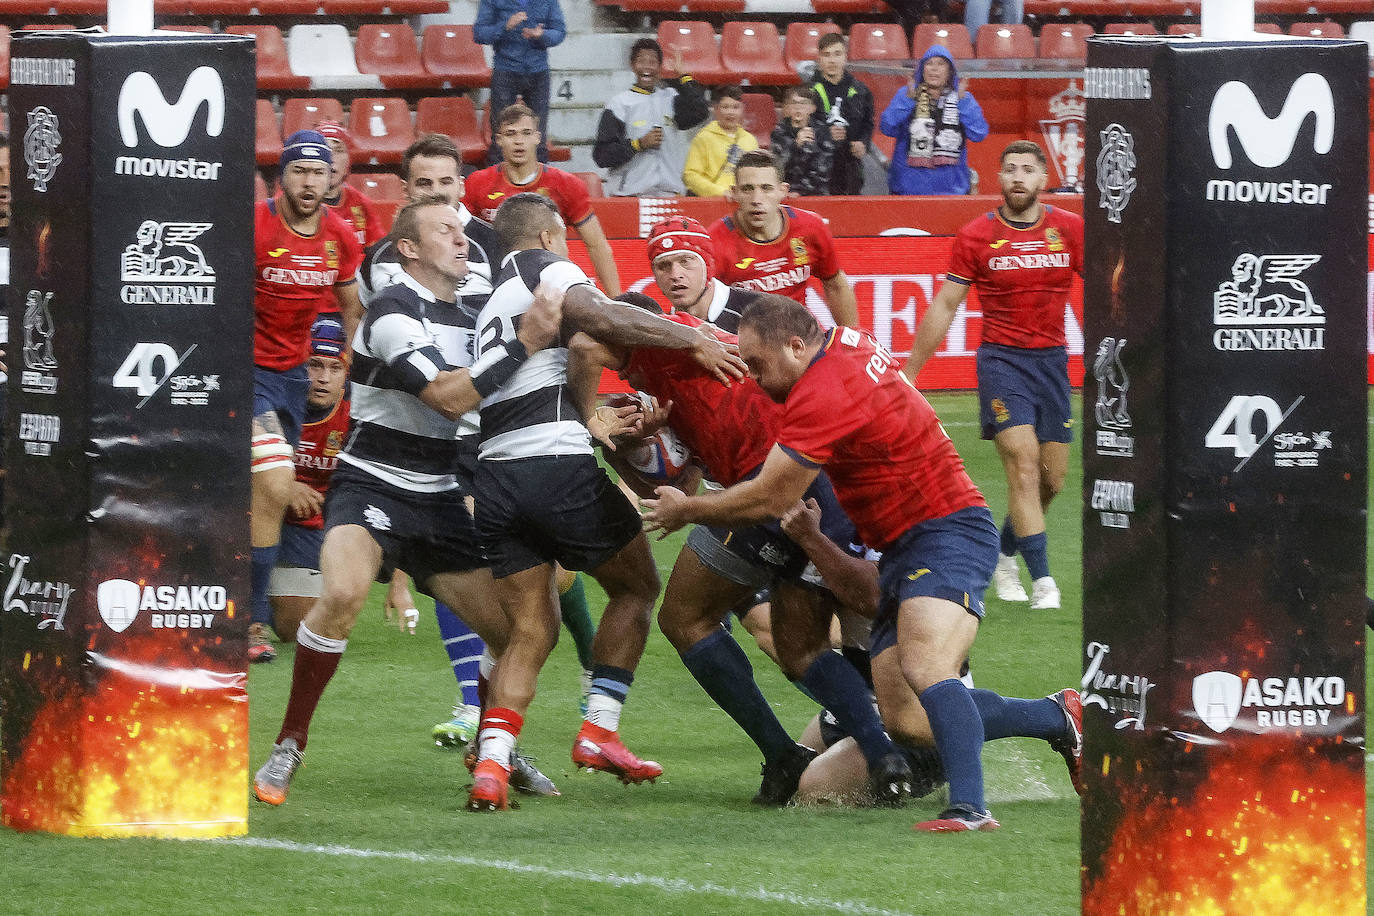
x,y
545,499
395,499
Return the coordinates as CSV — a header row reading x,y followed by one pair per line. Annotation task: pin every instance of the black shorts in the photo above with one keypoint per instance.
x,y
421,533
561,509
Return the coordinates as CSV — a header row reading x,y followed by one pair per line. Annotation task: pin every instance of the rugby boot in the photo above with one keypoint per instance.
x,y
597,748
890,781
1070,747
782,775
959,818
274,777
490,782
526,778
928,773
1044,594
259,646
460,729
1006,580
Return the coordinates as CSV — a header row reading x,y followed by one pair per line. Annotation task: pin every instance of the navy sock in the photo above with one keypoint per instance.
x,y
832,680
958,731
264,560
464,649
611,681
723,671
1009,717
1008,538
1036,550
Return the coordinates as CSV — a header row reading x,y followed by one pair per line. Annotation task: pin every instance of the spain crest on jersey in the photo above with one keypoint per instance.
x,y
333,443
1054,239
359,217
331,253
799,252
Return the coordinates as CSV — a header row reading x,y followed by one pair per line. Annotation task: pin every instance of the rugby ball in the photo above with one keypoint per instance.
x,y
661,458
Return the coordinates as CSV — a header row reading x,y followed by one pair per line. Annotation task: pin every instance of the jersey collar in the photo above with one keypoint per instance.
x,y
720,295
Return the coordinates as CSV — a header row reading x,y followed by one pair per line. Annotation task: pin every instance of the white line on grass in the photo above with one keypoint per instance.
x,y
667,885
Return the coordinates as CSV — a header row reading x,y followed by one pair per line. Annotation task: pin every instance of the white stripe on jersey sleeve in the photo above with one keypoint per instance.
x,y
397,337
563,275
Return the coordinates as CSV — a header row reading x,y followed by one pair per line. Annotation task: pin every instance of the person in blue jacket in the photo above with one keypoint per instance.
x,y
933,122
520,33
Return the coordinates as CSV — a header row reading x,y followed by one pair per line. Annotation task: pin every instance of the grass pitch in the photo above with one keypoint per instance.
x,y
374,822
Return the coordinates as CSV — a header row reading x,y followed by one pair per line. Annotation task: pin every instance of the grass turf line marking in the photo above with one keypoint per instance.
x,y
667,885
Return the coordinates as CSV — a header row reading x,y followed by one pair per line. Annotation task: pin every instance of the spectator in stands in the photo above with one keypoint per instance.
x,y
977,13
911,13
520,33
933,122
344,199
515,130
642,138
710,168
846,105
803,145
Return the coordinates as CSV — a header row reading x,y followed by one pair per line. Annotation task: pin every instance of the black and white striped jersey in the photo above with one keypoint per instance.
x,y
533,413
381,264
406,339
727,304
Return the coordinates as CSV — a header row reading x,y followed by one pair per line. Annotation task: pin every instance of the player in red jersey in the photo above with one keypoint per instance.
x,y
517,133
1022,257
847,409
306,261
356,208
775,249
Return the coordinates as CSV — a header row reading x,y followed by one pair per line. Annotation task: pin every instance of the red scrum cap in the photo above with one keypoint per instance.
x,y
333,130
682,233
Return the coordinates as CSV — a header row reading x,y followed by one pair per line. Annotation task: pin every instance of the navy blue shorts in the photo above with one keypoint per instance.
x,y
422,533
282,393
300,546
1021,387
563,509
951,557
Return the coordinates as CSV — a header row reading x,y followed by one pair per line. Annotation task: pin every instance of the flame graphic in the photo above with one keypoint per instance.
x,y
1270,829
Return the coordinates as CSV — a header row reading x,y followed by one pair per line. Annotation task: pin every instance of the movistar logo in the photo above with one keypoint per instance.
x,y
1268,142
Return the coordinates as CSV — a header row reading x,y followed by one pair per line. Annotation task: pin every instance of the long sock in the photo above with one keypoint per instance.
x,y
610,686
572,604
1008,538
832,680
317,658
862,662
1010,717
1036,550
958,731
497,733
464,649
264,559
723,671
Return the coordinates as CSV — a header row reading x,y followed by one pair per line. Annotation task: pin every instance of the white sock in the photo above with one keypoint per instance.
x,y
306,637
604,711
496,744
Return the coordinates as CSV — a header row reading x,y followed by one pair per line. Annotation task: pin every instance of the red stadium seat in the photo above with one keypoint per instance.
x,y
690,6
4,56
267,146
198,29
1065,41
760,116
1130,28
304,114
274,72
235,8
593,182
1004,41
456,118
389,52
752,51
700,56
1327,29
450,53
851,7
381,129
1191,29
802,39
1268,28
379,185
287,7
878,41
950,34
46,27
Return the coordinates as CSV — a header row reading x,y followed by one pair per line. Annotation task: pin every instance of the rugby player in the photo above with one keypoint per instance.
x,y
517,133
848,410
767,247
1022,258
306,263
356,208
395,500
545,499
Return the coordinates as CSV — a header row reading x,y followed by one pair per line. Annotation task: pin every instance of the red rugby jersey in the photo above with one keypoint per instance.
x,y
1023,276
358,210
294,280
484,191
785,266
855,414
317,455
730,430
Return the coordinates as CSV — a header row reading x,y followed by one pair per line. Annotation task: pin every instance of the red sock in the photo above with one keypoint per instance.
x,y
308,679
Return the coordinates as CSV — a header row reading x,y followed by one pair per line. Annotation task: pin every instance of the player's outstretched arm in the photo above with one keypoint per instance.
x,y
454,392
586,309
780,483
935,325
854,580
839,296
